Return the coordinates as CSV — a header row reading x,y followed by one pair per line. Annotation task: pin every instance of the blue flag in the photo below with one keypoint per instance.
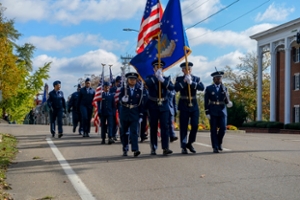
x,y
174,44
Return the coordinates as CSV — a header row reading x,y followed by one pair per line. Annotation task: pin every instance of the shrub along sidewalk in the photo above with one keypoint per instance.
x,y
7,153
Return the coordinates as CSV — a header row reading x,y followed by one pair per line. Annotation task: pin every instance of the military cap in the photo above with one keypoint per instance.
x,y
183,65
155,63
118,78
106,83
217,74
78,86
56,83
87,80
132,75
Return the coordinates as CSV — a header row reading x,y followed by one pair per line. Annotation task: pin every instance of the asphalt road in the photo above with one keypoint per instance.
x,y
254,166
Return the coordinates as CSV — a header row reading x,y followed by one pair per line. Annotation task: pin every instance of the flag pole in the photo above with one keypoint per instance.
x,y
187,69
102,78
159,102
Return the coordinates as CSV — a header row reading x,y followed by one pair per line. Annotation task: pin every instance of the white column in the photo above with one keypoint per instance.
x,y
273,83
287,82
259,84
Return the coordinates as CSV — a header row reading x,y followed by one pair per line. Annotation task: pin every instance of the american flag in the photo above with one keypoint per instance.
x,y
98,97
150,24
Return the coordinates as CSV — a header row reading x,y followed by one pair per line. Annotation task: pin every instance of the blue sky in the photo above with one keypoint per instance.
x,y
78,35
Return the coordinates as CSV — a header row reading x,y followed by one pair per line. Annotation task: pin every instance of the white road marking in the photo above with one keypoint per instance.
x,y
206,145
79,186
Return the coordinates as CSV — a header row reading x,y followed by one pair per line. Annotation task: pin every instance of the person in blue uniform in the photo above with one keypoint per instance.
x,y
188,106
84,104
158,107
106,112
173,112
72,107
57,105
215,99
132,113
113,89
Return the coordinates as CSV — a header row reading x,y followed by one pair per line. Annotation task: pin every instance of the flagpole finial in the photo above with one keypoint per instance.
x,y
110,65
103,64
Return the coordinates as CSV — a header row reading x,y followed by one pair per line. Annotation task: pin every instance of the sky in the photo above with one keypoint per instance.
x,y
78,35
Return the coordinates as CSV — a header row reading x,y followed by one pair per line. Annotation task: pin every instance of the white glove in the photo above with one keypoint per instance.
x,y
161,78
208,117
188,79
158,72
229,105
125,99
140,120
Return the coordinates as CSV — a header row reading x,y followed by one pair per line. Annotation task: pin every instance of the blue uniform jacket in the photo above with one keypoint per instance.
x,y
211,96
153,90
172,102
107,106
182,87
135,101
56,100
73,101
85,98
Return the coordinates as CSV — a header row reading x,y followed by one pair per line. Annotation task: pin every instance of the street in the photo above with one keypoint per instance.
x,y
252,166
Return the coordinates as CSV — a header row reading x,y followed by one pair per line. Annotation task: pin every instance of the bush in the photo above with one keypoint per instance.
x,y
261,124
279,125
264,124
295,126
237,114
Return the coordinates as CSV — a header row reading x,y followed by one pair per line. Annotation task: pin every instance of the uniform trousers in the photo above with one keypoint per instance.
x,y
184,118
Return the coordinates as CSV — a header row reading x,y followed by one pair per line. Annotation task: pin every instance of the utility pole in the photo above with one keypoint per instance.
x,y
125,62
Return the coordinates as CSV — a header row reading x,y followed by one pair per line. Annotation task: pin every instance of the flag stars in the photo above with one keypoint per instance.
x,y
172,26
175,33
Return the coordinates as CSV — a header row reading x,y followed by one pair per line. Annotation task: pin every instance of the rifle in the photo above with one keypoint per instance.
x,y
226,99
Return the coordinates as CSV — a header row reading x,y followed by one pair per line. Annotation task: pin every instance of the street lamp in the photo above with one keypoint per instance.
x,y
130,29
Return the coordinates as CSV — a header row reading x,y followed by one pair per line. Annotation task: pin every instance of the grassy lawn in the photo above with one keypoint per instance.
x,y
8,151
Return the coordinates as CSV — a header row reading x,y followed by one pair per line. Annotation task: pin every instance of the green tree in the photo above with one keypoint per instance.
x,y
242,84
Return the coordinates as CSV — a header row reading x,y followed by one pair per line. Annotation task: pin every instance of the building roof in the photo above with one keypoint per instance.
x,y
276,29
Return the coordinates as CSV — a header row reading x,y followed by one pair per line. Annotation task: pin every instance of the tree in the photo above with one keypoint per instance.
x,y
18,82
243,83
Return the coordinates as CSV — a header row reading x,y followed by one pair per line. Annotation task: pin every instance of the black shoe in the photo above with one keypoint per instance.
x,y
216,150
167,151
80,133
153,153
124,153
53,135
220,148
84,135
172,139
103,141
115,139
144,138
74,129
190,147
87,135
184,151
60,135
136,153
110,141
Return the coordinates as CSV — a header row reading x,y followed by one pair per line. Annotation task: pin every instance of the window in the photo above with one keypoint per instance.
x,y
296,81
296,113
297,55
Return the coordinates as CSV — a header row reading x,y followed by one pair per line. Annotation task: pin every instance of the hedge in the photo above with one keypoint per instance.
x,y
264,124
295,126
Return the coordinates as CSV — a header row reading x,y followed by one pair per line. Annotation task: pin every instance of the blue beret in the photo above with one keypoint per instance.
x,y
182,65
132,75
106,84
155,63
118,78
56,83
78,86
217,74
87,79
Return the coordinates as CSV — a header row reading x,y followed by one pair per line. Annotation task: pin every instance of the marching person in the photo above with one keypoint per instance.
x,y
216,98
173,112
158,107
106,112
188,106
57,105
84,104
72,107
131,114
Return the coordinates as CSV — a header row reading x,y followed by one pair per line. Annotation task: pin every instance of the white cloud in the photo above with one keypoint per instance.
x,y
69,70
52,43
71,11
195,11
274,13
240,40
